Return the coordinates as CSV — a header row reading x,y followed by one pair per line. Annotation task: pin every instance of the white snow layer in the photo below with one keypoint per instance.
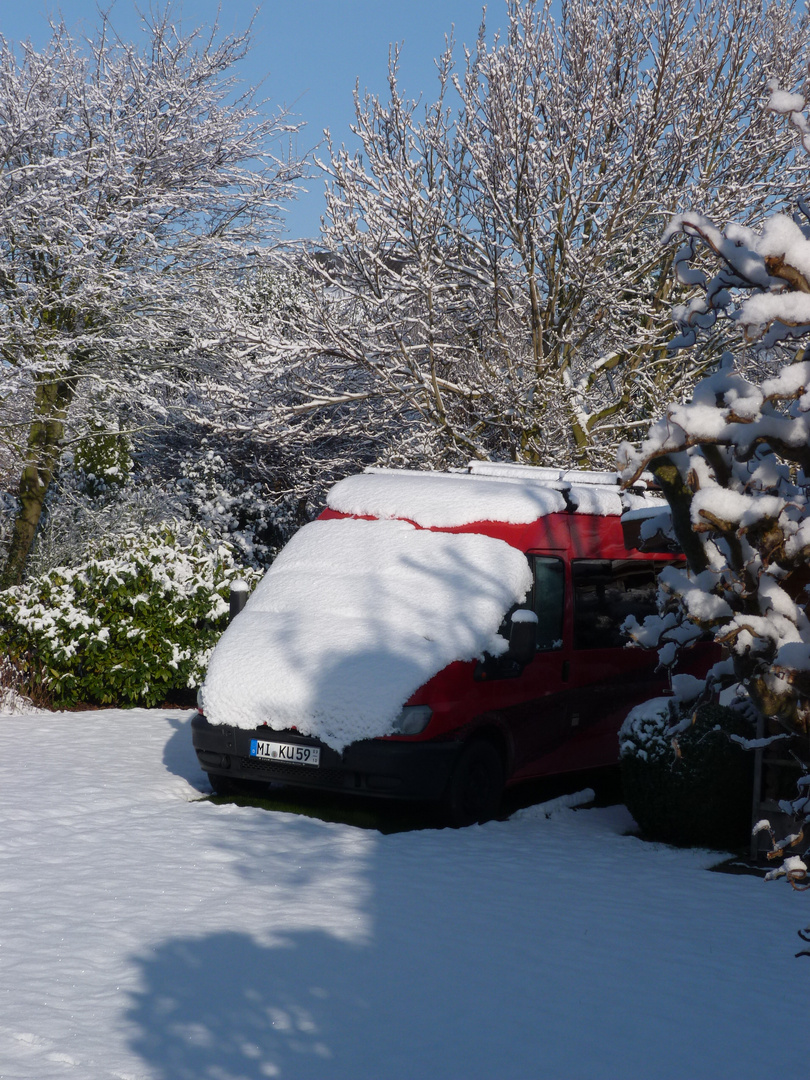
x,y
148,935
352,618
781,101
783,238
444,501
762,308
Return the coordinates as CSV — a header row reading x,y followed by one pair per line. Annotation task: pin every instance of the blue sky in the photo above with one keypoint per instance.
x,y
308,54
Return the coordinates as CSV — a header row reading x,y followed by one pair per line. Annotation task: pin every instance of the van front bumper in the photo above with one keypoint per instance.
x,y
380,767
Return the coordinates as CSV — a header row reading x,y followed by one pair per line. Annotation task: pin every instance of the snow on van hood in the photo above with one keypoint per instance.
x,y
352,618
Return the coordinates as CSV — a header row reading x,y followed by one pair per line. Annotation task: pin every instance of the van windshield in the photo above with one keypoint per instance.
x,y
352,618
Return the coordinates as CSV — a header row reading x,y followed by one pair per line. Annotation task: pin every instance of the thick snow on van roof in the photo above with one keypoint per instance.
x,y
516,495
352,618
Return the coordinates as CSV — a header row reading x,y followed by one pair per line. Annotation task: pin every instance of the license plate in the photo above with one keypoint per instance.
x,y
285,752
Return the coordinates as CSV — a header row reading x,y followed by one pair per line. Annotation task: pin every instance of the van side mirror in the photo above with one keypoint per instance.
x,y
522,649
523,636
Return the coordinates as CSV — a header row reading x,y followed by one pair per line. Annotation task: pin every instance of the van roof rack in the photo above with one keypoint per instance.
x,y
542,474
511,471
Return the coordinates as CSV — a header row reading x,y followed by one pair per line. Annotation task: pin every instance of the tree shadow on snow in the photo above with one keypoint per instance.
x,y
314,1007
228,1006
418,982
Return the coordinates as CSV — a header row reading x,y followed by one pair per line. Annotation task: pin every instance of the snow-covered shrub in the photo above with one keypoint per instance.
x,y
212,493
12,701
14,704
76,520
685,781
109,485
731,463
734,464
131,624
102,459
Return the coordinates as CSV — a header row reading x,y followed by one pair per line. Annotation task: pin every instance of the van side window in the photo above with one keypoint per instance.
x,y
548,598
605,593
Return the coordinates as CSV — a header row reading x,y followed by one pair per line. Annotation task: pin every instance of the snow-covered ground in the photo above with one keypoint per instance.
x,y
145,933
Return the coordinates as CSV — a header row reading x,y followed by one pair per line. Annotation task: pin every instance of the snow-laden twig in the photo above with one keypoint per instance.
x,y
495,274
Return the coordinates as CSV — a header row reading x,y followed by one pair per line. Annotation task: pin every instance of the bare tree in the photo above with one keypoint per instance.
x,y
135,186
493,271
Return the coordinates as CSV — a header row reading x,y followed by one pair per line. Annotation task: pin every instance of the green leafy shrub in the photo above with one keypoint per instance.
x,y
698,793
129,626
102,460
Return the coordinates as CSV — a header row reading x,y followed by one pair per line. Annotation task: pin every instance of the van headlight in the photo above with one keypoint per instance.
x,y
412,719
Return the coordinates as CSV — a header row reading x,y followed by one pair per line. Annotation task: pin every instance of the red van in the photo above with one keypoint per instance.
x,y
547,697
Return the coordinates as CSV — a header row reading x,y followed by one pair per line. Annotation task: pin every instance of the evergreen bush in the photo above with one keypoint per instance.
x,y
102,460
131,625
692,789
227,502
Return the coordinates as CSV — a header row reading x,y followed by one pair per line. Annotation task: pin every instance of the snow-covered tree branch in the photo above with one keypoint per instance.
x,y
492,266
734,463
136,185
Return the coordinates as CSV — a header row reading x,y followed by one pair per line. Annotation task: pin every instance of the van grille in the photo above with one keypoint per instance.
x,y
294,774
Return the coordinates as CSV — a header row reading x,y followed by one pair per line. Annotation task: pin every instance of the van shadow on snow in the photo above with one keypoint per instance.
x,y
447,955
179,756
430,976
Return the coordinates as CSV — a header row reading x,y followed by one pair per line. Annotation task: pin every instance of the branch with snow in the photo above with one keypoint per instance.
x,y
136,185
734,464
495,274
762,284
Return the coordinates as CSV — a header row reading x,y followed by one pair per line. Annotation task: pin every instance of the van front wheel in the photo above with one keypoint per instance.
x,y
222,785
476,786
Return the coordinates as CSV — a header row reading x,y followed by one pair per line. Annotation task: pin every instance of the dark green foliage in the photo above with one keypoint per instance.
x,y
699,794
102,461
129,626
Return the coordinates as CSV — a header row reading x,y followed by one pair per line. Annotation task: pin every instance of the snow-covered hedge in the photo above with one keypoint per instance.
x,y
685,781
128,626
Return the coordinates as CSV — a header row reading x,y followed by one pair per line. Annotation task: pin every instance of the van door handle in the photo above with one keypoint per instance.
x,y
566,670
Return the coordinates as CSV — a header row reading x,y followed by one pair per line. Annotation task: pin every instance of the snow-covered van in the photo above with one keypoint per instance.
x,y
437,636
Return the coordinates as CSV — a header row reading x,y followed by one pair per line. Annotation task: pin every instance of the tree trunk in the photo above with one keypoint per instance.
x,y
679,496
52,397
